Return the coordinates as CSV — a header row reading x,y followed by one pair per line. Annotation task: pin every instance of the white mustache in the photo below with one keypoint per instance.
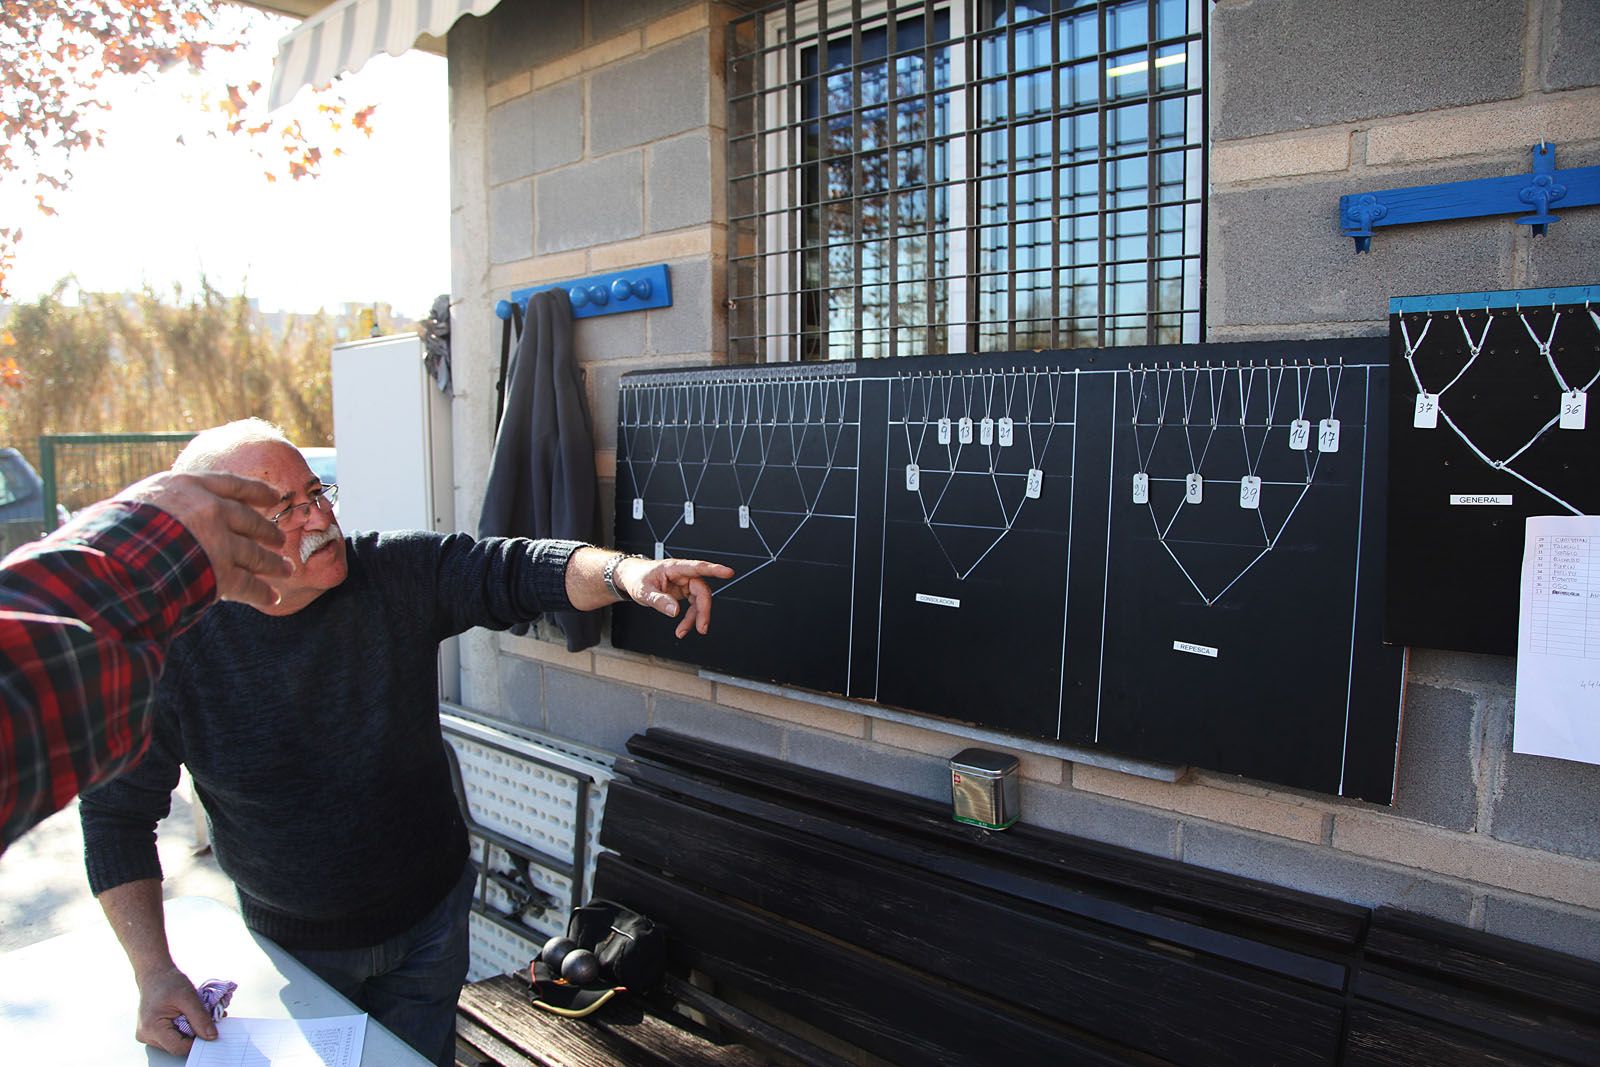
x,y
315,539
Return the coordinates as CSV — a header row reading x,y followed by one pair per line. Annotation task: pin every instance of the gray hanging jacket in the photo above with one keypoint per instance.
x,y
542,477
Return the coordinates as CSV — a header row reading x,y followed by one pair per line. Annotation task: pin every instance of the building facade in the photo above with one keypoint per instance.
x,y
1195,200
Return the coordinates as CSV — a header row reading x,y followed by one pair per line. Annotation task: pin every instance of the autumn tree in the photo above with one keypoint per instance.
x,y
58,56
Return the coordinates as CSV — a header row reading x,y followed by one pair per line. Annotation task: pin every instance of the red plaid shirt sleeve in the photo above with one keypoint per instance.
x,y
86,616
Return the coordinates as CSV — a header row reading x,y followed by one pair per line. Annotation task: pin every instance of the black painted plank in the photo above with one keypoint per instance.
x,y
869,1002
756,1031
1475,959
1381,1038
1225,900
1087,976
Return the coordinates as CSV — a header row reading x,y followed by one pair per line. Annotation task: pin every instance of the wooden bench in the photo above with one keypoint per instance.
x,y
836,922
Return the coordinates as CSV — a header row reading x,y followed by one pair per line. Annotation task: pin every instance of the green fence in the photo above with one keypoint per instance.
x,y
81,468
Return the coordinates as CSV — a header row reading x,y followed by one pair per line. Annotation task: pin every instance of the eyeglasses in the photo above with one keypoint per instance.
x,y
297,515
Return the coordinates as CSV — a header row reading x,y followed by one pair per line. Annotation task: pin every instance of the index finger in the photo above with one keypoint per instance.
x,y
700,567
256,494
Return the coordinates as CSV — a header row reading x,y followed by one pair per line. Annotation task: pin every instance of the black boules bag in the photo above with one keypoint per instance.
x,y
630,950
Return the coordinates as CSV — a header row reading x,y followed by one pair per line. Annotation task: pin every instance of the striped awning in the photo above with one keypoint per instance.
x,y
345,34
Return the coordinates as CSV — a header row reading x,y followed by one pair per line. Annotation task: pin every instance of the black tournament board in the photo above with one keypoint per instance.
x,y
1491,424
1173,553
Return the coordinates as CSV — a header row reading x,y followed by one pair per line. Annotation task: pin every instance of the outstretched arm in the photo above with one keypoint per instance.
x,y
653,583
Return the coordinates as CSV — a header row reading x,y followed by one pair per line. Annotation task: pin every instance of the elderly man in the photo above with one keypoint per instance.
x,y
311,731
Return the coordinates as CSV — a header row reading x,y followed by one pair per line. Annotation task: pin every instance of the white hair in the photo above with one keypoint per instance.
x,y
210,447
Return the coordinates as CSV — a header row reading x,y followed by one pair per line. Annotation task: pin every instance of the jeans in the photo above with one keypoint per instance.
x,y
411,982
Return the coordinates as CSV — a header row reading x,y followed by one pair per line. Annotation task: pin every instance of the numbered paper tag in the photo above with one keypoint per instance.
x,y
1035,483
661,550
744,516
965,431
986,431
1299,435
913,477
1005,433
1141,488
688,512
638,507
1250,492
1573,403
1426,415
1328,435
1193,489
944,431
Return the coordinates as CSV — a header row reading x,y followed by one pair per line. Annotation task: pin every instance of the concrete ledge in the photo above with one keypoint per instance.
x,y
728,684
1049,770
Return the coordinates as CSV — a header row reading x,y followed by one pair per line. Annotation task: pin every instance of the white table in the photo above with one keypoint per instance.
x,y
71,1000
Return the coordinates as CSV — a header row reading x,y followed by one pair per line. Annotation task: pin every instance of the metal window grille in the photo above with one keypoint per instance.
x,y
964,176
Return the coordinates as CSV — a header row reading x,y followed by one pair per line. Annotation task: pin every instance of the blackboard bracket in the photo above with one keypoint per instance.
x,y
1160,772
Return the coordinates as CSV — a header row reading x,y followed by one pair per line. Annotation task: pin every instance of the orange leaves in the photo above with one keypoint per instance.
x,y
362,120
234,103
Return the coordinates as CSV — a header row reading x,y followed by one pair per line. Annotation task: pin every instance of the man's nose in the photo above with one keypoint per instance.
x,y
320,517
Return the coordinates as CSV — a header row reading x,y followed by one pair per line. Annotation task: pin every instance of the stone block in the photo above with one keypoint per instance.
x,y
663,248
1278,255
1072,811
1296,64
656,95
679,182
610,337
800,712
1571,44
511,140
1437,782
1321,870
891,768
1469,857
1479,131
557,127
687,21
1265,814
521,692
653,675
712,723
1575,931
1549,804
685,327
1463,670
1282,157
525,34
591,203
598,713
608,16
511,222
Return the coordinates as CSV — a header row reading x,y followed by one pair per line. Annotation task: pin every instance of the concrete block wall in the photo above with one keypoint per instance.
x,y
1310,99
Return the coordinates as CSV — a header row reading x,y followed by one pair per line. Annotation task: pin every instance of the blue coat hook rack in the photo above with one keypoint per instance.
x,y
1537,193
634,289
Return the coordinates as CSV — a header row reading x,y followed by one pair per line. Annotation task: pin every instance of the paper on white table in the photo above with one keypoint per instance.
x,y
1558,640
332,1042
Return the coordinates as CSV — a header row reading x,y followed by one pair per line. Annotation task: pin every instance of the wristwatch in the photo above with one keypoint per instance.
x,y
609,575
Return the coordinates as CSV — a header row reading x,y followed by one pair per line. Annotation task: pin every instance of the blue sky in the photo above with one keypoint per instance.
x,y
147,209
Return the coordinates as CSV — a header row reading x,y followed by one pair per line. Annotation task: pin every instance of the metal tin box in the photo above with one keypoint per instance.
x,y
983,788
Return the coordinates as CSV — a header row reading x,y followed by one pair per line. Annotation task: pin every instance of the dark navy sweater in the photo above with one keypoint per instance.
x,y
313,739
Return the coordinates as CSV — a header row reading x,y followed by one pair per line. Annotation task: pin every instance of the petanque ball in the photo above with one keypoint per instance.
x,y
555,950
580,967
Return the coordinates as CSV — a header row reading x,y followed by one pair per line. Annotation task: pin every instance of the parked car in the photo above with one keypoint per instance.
x,y
323,463
22,502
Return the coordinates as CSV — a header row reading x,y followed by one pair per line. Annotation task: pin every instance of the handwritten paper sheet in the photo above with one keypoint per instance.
x,y
330,1042
1558,640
